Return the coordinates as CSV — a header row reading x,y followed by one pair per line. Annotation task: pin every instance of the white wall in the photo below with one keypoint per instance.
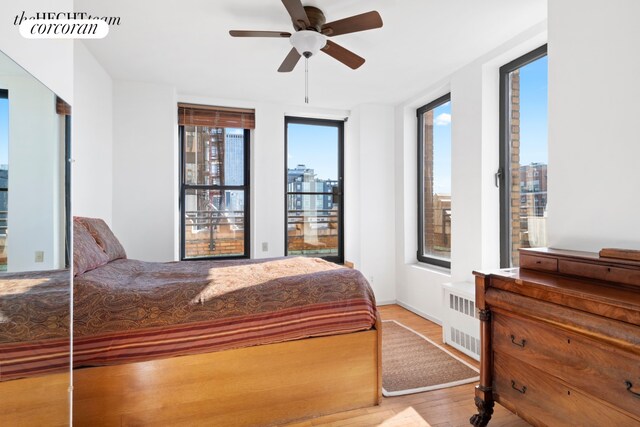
x,y
145,169
50,61
474,197
594,94
91,137
370,197
35,196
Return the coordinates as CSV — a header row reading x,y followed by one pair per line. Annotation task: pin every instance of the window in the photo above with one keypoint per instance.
x,y
4,175
434,182
523,155
214,182
314,188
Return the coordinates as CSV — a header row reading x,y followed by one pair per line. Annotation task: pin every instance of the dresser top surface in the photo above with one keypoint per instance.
x,y
579,287
580,256
608,299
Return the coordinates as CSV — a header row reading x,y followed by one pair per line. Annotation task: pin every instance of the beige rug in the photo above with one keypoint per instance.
x,y
412,363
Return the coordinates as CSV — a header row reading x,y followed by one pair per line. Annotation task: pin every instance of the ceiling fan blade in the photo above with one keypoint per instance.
x,y
343,55
290,61
243,33
362,22
297,13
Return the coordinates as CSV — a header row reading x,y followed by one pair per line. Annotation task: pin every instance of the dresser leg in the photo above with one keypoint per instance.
x,y
485,408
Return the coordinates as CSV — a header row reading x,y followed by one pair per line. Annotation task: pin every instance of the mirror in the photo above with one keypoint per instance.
x,y
34,256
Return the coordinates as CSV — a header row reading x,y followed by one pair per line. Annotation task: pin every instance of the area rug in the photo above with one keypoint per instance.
x,y
412,363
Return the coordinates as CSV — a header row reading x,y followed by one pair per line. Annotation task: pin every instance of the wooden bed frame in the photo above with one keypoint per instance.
x,y
37,401
262,385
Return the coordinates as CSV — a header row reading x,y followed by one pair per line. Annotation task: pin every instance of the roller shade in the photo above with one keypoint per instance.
x,y
220,117
62,107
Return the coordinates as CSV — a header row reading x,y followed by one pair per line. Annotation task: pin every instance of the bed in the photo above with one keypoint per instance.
x,y
244,342
34,348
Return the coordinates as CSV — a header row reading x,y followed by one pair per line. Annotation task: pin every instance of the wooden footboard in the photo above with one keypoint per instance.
x,y
37,401
262,385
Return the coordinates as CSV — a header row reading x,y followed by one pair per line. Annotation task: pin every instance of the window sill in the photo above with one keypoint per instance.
x,y
446,272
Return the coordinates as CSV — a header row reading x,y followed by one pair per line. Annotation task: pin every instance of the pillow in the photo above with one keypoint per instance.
x,y
104,237
87,255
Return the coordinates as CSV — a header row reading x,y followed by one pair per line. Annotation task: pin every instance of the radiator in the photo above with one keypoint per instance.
x,y
460,324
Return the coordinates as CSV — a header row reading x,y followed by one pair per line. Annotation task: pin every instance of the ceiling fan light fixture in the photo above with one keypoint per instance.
x,y
308,42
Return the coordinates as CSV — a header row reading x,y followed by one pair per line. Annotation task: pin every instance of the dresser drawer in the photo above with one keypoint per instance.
x,y
582,362
600,272
541,263
543,400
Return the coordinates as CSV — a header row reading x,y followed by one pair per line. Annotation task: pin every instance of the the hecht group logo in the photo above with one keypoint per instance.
x,y
64,25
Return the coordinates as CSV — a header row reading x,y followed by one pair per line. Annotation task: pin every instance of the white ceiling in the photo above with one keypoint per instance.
x,y
186,44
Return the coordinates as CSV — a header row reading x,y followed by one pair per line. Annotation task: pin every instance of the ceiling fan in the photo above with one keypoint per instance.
x,y
312,32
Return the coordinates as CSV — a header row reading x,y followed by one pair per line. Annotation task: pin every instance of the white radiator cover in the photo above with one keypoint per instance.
x,y
460,323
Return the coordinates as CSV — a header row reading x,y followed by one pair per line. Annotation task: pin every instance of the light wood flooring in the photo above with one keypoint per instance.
x,y
440,408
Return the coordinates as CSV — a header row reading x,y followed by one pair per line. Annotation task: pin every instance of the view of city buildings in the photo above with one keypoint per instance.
x,y
436,182
303,179
312,218
532,205
528,162
214,218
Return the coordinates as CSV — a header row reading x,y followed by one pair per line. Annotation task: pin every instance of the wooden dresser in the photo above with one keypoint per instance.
x,y
561,340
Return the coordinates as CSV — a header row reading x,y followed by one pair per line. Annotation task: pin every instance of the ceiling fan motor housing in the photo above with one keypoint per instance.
x,y
308,42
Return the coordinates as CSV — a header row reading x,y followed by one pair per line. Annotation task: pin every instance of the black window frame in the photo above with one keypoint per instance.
x,y
420,115
67,189
504,171
247,198
4,94
339,124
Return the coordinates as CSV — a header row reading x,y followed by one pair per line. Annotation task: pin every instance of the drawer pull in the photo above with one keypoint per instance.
x,y
520,344
522,390
629,385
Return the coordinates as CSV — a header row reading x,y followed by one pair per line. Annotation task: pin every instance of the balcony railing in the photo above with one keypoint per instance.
x,y
314,219
213,225
312,232
3,223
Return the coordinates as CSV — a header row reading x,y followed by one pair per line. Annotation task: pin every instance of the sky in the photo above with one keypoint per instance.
x,y
533,112
442,149
314,146
4,131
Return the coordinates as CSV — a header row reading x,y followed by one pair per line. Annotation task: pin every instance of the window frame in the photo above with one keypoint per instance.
x,y
504,170
339,124
420,115
4,94
247,198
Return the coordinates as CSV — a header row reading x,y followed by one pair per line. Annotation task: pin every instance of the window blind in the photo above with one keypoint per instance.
x,y
220,117
62,107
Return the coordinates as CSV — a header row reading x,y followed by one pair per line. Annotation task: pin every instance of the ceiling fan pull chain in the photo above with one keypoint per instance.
x,y
306,80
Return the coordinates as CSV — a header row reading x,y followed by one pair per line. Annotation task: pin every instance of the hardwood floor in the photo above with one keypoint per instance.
x,y
440,408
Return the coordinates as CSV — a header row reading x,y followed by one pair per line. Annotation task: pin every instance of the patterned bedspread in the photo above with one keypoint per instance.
x,y
34,323
129,311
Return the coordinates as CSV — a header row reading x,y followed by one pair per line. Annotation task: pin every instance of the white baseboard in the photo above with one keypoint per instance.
x,y
419,312
390,302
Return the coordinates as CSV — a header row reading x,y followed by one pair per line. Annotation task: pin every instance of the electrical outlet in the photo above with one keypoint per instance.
x,y
39,256
265,246
371,279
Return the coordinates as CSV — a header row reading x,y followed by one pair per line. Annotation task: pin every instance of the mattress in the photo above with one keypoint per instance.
x,y
34,323
130,311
